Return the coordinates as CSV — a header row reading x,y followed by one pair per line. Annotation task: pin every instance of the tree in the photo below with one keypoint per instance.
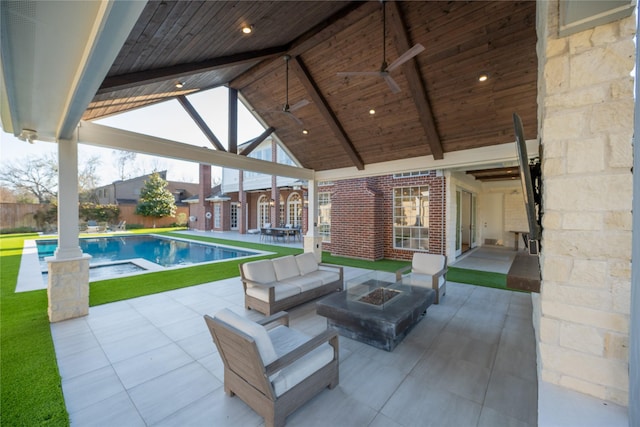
x,y
88,179
155,200
37,176
121,159
35,179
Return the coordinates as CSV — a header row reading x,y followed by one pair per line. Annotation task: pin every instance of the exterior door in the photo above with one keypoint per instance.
x,y
235,208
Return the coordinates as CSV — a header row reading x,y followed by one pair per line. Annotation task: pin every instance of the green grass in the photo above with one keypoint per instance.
x,y
30,389
477,277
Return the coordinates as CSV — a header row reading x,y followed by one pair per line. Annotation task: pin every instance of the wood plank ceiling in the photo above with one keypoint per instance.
x,y
442,106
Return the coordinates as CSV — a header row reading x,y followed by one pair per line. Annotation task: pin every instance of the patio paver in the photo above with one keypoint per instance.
x,y
151,361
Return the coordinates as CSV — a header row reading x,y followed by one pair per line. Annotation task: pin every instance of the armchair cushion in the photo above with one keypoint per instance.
x,y
424,280
427,263
254,330
285,340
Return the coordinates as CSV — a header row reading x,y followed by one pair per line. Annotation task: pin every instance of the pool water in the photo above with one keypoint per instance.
x,y
163,251
101,272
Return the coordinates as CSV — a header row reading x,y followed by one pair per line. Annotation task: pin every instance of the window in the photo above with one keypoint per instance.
x,y
411,217
217,215
294,210
324,216
410,174
263,211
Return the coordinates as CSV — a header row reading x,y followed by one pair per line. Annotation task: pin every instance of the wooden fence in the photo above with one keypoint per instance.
x,y
14,215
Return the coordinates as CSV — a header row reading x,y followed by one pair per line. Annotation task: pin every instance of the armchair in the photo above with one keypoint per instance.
x,y
273,371
427,270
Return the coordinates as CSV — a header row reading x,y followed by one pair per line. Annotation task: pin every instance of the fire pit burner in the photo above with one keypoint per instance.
x,y
379,296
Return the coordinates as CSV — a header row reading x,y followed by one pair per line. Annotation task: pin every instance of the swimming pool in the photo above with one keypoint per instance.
x,y
160,250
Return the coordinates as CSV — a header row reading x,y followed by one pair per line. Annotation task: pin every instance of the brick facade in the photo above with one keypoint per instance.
x,y
362,216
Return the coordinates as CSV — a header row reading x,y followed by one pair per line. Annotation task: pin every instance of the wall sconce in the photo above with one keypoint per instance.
x,y
272,202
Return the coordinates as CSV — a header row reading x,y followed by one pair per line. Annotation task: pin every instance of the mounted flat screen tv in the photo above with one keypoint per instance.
x,y
531,193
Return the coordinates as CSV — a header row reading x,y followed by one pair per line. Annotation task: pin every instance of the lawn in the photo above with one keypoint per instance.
x,y
30,386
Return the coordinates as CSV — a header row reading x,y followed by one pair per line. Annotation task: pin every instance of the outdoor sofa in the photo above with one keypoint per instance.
x,y
273,285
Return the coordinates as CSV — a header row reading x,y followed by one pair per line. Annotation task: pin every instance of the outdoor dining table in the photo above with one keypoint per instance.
x,y
285,232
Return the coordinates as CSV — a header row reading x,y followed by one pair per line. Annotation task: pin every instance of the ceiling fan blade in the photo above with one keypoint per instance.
x,y
298,105
391,83
416,49
293,117
358,73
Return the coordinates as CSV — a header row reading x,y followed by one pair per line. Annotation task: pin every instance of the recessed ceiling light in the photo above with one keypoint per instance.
x,y
483,77
372,111
305,131
179,85
247,29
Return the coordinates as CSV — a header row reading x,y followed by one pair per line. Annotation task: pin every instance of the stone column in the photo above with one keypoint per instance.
x,y
586,122
312,240
68,287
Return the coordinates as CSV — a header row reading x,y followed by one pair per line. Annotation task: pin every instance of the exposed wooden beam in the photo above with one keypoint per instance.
x,y
126,81
416,85
514,170
233,121
322,105
201,124
341,20
256,141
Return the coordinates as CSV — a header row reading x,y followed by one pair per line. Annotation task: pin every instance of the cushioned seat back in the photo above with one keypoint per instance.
x,y
285,267
307,262
245,348
257,332
427,263
259,271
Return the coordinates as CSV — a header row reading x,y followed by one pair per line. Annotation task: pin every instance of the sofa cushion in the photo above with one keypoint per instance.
x,y
285,267
282,291
305,282
259,271
284,340
307,262
325,276
427,263
254,330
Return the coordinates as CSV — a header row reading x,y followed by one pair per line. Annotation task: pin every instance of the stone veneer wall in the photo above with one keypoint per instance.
x,y
586,124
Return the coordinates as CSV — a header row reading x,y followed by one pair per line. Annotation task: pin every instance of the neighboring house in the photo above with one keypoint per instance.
x,y
128,191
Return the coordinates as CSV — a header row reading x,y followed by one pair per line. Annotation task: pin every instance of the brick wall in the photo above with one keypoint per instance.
x,y
362,216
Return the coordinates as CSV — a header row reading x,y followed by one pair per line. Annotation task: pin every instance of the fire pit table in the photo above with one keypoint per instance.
x,y
375,309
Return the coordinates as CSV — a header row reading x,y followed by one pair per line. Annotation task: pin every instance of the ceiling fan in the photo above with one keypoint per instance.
x,y
286,108
386,69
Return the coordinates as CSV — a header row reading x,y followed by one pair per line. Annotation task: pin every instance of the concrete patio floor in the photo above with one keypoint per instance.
x,y
470,362
151,361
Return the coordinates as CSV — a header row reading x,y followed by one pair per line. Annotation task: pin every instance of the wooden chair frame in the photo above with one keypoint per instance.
x,y
246,376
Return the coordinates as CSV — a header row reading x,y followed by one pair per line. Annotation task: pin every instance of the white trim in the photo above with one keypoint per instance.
x,y
455,159
104,136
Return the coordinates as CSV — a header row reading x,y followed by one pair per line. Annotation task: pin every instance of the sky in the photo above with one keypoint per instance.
x,y
165,120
